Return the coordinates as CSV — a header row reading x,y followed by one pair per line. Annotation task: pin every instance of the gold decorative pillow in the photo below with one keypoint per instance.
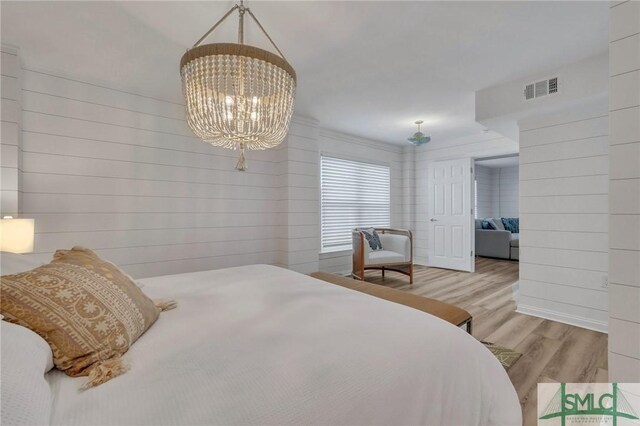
x,y
87,309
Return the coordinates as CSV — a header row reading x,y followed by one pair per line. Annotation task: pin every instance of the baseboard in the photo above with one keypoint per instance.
x,y
563,318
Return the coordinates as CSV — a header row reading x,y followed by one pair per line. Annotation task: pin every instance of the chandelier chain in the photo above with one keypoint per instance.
x,y
266,34
241,10
226,15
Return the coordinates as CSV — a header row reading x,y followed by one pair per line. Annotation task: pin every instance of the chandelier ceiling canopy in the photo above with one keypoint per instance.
x,y
238,96
419,138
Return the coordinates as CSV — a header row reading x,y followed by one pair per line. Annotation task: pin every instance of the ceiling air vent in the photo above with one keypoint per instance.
x,y
541,88
528,91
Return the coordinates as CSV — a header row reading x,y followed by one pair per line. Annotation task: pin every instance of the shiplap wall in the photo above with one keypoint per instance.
x,y
11,137
624,219
487,199
123,174
408,185
299,206
476,146
360,149
563,216
508,182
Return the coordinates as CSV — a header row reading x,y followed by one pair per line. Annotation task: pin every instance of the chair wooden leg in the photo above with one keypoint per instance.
x,y
383,272
411,274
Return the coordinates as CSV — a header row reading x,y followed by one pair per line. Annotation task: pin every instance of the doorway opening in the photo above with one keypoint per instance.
x,y
496,207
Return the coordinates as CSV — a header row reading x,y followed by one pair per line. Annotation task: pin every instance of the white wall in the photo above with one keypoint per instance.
x,y
498,194
123,174
624,208
299,229
487,198
563,217
563,189
508,183
500,107
11,138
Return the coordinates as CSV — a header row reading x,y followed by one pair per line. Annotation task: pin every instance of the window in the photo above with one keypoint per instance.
x,y
353,194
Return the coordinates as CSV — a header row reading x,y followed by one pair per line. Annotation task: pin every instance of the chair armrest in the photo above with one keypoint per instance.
x,y
407,246
360,243
360,254
397,243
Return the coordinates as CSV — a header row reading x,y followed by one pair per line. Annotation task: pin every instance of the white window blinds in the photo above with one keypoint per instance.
x,y
353,194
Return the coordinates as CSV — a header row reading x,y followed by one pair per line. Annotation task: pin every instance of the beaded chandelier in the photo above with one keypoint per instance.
x,y
238,96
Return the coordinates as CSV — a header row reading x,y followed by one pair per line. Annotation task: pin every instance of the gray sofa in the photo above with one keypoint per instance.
x,y
498,243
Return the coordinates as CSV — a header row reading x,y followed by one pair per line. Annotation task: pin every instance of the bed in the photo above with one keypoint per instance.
x,y
261,345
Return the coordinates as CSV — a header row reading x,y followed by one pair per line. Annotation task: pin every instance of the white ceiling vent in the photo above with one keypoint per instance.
x,y
541,88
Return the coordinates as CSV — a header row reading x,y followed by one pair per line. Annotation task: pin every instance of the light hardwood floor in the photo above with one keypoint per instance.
x,y
552,351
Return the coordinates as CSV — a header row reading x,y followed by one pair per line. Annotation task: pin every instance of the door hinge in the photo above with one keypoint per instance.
x,y
471,253
471,170
472,212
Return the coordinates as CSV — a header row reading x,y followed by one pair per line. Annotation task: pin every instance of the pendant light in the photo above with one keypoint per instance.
x,y
419,138
238,96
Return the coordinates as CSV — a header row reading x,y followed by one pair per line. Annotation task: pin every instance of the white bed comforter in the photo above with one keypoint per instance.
x,y
263,345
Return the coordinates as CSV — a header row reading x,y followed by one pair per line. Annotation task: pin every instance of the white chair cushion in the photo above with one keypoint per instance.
x,y
397,244
384,256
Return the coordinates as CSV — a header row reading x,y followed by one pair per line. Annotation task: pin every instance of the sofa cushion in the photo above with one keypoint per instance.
x,y
498,222
511,224
515,240
488,224
384,256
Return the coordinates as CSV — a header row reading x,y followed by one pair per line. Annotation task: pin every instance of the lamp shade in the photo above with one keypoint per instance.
x,y
16,235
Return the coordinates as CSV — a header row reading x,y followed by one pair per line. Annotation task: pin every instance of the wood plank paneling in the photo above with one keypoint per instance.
x,y
564,205
10,139
486,186
121,172
624,163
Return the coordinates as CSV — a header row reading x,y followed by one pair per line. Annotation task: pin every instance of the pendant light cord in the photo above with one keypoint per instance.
x,y
241,9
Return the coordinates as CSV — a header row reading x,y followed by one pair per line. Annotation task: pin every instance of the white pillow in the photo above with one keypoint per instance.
x,y
13,263
24,359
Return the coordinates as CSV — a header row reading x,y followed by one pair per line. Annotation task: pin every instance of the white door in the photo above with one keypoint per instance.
x,y
451,239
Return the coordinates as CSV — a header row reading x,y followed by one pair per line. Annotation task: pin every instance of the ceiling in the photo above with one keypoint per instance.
x,y
365,68
498,163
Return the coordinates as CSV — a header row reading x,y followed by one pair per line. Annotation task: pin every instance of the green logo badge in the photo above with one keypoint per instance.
x,y
585,403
